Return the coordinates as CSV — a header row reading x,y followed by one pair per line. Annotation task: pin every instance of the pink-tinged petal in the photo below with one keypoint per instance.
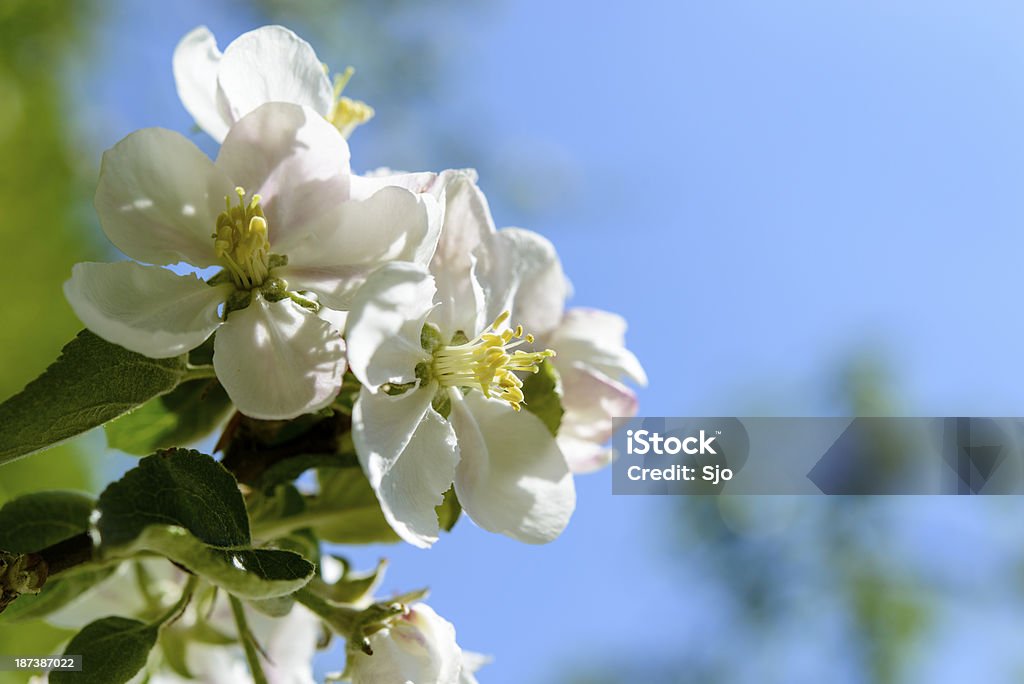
x,y
590,401
158,198
296,161
596,339
418,646
146,309
272,64
408,453
512,478
418,182
277,360
196,61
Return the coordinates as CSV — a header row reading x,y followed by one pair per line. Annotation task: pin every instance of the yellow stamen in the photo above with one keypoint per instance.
x,y
487,362
347,113
241,241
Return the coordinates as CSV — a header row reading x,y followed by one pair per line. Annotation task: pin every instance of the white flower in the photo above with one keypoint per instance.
x,y
269,64
273,211
519,271
417,647
449,411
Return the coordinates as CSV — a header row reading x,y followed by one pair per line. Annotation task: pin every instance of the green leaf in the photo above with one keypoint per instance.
x,y
35,521
91,383
174,646
273,607
175,487
245,572
346,511
182,416
352,586
543,391
56,594
449,511
113,651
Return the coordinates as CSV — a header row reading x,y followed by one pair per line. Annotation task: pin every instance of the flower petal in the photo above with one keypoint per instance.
x,y
512,478
590,400
419,182
384,325
196,60
471,662
596,339
408,453
296,161
356,237
146,309
418,646
278,361
272,64
519,271
159,196
467,223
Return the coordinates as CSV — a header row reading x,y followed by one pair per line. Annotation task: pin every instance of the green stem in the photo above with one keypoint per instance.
x,y
178,608
199,373
341,619
248,642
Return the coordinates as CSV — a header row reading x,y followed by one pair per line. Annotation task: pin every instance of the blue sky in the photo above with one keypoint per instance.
x,y
765,190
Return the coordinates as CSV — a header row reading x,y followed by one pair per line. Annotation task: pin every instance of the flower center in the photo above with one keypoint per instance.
x,y
488,363
241,241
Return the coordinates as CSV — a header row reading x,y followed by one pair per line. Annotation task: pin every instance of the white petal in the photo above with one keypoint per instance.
x,y
385,322
272,64
596,339
196,60
408,453
159,196
146,309
471,663
590,399
418,647
352,239
519,271
512,478
418,182
467,223
278,361
296,161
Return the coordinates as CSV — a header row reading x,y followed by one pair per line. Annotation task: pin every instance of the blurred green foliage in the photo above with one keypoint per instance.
x,y
44,227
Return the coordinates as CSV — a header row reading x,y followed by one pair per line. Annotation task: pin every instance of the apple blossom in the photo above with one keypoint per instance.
x,y
268,64
287,236
415,647
520,271
440,404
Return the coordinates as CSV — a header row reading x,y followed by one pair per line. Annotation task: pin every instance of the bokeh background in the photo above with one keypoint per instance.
x,y
802,208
